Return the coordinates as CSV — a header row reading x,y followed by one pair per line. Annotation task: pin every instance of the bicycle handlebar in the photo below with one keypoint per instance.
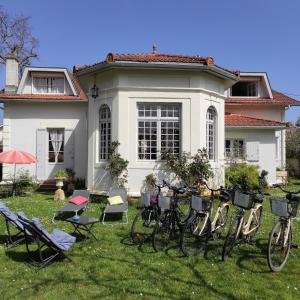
x,y
180,190
214,190
285,191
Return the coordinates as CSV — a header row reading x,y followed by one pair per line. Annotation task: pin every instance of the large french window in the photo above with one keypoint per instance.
x,y
234,148
211,124
56,138
104,132
245,88
48,85
158,130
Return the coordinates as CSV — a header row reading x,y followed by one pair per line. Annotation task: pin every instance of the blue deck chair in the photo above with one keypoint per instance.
x,y
57,241
11,218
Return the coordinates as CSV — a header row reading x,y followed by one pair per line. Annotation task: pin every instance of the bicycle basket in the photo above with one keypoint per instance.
x,y
196,203
243,200
145,198
164,202
282,208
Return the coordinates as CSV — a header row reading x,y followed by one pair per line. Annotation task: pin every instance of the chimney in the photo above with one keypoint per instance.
x,y
12,74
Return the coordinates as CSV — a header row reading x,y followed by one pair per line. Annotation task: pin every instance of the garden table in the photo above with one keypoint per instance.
x,y
84,224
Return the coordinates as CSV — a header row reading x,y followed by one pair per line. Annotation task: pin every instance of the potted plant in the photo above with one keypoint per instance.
x,y
60,176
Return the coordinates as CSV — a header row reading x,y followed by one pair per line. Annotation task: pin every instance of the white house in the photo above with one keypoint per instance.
x,y
149,103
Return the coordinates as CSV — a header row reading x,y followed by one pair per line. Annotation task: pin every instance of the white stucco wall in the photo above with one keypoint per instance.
x,y
263,143
21,121
122,91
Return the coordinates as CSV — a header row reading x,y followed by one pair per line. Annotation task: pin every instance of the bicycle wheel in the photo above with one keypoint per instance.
x,y
231,236
142,226
162,232
221,221
279,246
255,223
194,235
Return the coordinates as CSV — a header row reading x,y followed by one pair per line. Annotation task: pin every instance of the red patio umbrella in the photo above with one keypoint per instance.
x,y
16,157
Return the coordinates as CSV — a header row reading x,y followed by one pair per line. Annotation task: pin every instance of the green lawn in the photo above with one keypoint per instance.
x,y
112,268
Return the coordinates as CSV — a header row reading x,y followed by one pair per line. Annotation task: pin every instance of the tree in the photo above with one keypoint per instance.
x,y
16,39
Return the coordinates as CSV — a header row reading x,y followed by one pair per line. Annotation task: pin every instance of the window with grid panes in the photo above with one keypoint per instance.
x,y
104,132
234,148
158,130
211,119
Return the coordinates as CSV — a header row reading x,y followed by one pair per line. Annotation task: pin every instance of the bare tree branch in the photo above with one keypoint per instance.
x,y
16,38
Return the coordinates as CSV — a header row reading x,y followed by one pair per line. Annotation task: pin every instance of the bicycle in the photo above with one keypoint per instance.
x,y
144,221
241,228
280,238
171,219
203,222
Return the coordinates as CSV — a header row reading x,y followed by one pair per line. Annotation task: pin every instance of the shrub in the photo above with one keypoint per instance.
x,y
150,181
79,183
25,184
242,176
117,165
192,170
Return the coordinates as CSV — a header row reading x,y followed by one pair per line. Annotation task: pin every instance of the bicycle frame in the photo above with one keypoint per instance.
x,y
208,214
220,208
288,228
244,226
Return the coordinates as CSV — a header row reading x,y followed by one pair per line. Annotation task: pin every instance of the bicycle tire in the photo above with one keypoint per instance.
x,y
194,235
277,236
162,232
231,236
142,226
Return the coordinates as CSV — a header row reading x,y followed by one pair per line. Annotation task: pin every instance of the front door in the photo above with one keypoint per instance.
x,y
55,151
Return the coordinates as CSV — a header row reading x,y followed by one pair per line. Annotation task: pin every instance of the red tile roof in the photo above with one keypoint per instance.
x,y
278,99
240,121
80,94
156,57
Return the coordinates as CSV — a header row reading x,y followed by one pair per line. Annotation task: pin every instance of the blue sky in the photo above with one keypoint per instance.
x,y
256,35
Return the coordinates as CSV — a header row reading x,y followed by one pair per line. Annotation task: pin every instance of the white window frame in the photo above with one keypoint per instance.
x,y
232,148
213,122
108,125
159,119
56,162
49,92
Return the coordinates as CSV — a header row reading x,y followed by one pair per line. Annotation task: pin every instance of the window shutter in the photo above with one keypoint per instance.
x,y
252,151
41,153
69,149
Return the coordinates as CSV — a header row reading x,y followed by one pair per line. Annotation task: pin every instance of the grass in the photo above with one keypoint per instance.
x,y
112,268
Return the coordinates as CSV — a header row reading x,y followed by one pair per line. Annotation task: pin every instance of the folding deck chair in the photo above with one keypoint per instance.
x,y
57,241
71,207
119,208
11,218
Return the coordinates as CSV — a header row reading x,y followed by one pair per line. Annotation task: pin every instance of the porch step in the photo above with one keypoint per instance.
x,y
48,185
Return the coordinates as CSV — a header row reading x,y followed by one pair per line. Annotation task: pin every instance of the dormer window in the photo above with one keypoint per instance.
x,y
48,85
245,89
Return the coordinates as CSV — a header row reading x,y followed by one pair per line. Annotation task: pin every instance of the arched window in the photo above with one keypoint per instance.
x,y
104,132
211,124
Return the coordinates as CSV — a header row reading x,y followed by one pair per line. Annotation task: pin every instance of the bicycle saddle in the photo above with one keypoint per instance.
x,y
293,197
258,198
225,196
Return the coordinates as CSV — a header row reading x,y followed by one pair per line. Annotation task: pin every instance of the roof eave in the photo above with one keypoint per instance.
x,y
255,127
158,65
263,104
6,100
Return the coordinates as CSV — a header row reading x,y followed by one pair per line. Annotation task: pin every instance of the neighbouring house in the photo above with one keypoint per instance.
x,y
149,103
